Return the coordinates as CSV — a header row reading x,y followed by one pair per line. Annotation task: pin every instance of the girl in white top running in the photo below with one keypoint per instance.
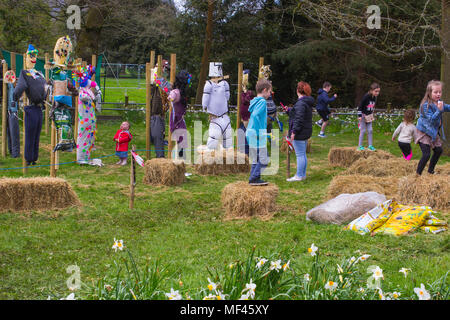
x,y
406,132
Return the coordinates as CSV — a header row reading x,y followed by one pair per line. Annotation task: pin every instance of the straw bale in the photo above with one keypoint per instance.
x,y
376,167
284,146
425,190
357,183
162,171
243,201
345,157
36,194
221,161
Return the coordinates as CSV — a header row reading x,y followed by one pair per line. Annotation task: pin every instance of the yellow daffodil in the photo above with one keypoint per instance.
x,y
211,285
118,245
174,295
395,295
261,263
286,265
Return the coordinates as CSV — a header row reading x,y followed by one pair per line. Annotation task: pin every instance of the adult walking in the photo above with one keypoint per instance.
x,y
300,128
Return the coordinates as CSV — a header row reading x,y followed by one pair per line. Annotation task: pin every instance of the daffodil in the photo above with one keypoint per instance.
x,y
118,245
312,250
307,277
404,271
377,272
211,285
352,260
364,257
220,295
174,295
261,263
331,285
250,289
286,265
210,297
275,265
396,295
422,293
69,297
361,290
244,296
340,270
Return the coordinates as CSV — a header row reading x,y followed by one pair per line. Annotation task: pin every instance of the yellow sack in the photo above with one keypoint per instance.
x,y
361,223
381,220
405,219
433,221
433,229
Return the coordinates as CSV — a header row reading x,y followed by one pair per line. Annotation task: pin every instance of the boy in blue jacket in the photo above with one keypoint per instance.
x,y
256,133
322,107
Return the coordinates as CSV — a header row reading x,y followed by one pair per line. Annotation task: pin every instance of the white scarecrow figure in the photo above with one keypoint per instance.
x,y
216,94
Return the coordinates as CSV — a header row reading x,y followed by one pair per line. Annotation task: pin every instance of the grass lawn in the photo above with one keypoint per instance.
x,y
182,226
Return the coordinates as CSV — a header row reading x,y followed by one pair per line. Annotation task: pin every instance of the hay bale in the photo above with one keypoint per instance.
x,y
345,157
376,167
357,183
161,171
284,146
221,161
443,169
425,190
243,201
36,194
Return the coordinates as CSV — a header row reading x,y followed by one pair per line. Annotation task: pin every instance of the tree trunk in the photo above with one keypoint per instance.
x,y
206,50
445,71
361,85
89,36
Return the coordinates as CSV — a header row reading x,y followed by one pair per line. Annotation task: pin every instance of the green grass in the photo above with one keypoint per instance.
x,y
182,227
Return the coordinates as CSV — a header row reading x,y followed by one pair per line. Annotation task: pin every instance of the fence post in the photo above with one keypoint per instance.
x,y
132,177
238,101
261,63
4,111
173,68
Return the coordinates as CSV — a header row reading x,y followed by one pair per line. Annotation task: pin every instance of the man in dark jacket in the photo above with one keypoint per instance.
x,y
322,107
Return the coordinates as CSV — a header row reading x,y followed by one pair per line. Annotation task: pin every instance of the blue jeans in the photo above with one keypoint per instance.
x,y
259,160
300,152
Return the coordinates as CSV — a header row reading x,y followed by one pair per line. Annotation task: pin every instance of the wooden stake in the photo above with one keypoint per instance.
x,y
4,111
132,177
53,154
75,105
173,69
288,163
47,74
148,109
239,93
25,103
94,64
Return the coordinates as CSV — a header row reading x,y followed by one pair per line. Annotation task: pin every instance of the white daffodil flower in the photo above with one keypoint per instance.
x,y
307,277
396,295
331,285
261,263
422,293
69,297
211,285
174,295
210,297
250,289
118,245
245,296
312,250
275,265
377,273
364,257
404,271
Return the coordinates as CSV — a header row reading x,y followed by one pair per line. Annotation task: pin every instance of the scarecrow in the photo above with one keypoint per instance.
x,y
216,94
33,83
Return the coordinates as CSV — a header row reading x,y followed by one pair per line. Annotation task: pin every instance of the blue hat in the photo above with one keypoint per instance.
x,y
31,49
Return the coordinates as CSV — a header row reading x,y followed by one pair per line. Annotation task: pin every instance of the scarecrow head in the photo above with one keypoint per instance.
x,y
215,70
31,57
9,77
265,72
83,75
62,51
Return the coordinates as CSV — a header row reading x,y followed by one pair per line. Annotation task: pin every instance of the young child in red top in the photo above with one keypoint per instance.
x,y
122,137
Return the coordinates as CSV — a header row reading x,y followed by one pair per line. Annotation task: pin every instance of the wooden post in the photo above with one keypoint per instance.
x,y
53,154
261,63
25,103
94,64
239,93
47,75
75,106
126,101
288,162
147,109
132,177
173,69
4,111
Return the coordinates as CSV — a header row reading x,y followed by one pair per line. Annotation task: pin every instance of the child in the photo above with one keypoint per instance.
x,y
406,132
429,126
322,107
122,137
365,115
256,139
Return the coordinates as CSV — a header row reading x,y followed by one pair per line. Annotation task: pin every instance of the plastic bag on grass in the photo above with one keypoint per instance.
x,y
345,207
